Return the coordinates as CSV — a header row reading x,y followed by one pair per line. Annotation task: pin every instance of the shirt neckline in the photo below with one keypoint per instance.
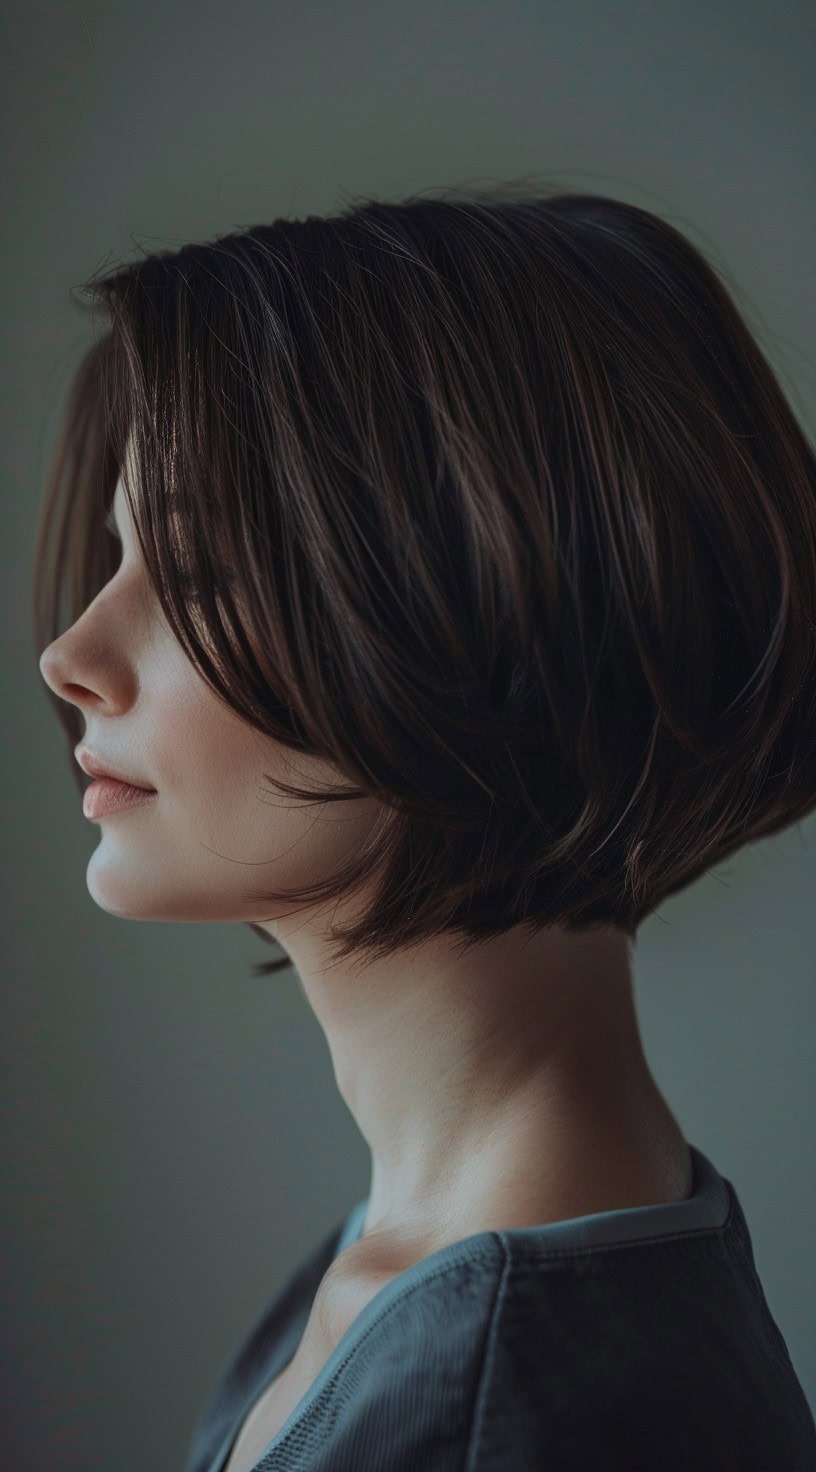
x,y
707,1208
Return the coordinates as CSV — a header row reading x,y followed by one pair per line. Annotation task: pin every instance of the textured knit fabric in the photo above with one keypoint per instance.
x,y
637,1340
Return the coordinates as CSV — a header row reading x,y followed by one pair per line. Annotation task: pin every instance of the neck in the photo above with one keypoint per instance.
x,y
503,1084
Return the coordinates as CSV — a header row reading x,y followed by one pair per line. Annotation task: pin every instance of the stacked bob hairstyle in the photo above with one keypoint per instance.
x,y
493,503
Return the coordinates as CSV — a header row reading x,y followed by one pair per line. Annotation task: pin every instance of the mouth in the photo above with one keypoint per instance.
x,y
94,769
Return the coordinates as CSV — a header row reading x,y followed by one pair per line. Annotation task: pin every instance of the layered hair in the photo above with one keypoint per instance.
x,y
492,501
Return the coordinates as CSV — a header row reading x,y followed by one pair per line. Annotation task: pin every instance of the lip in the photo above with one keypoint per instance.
x,y
105,796
94,768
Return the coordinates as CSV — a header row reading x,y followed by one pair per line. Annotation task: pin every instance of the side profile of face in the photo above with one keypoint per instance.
x,y
477,1078
216,829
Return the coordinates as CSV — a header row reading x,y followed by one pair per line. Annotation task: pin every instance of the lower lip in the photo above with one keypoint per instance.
x,y
106,796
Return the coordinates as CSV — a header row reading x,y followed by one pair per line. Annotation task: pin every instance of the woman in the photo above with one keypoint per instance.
x,y
486,521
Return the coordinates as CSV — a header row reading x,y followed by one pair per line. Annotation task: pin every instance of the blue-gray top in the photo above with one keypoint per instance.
x,y
617,1342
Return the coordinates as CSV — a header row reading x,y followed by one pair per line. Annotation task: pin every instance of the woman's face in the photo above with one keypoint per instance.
x,y
215,829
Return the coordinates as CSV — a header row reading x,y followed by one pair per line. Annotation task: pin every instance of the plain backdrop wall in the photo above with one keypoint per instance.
x,y
173,1142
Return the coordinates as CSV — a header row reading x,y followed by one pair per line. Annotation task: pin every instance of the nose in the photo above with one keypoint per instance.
x,y
53,670
45,665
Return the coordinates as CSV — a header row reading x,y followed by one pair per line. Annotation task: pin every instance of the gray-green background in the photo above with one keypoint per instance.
x,y
173,1140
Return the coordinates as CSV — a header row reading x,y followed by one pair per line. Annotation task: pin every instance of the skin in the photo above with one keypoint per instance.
x,y
504,1087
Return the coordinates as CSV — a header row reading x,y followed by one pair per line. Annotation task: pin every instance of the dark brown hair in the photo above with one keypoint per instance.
x,y
492,502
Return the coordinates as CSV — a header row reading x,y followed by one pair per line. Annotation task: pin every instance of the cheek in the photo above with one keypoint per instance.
x,y
218,788
222,821
212,764
281,842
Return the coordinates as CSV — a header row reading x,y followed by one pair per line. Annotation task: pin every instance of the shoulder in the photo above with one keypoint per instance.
x,y
652,1353
655,1353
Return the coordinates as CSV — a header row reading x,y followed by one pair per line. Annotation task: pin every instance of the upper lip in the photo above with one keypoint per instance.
x,y
96,768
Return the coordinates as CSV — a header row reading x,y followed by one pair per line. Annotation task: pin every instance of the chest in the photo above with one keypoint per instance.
x,y
339,1302
268,1414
